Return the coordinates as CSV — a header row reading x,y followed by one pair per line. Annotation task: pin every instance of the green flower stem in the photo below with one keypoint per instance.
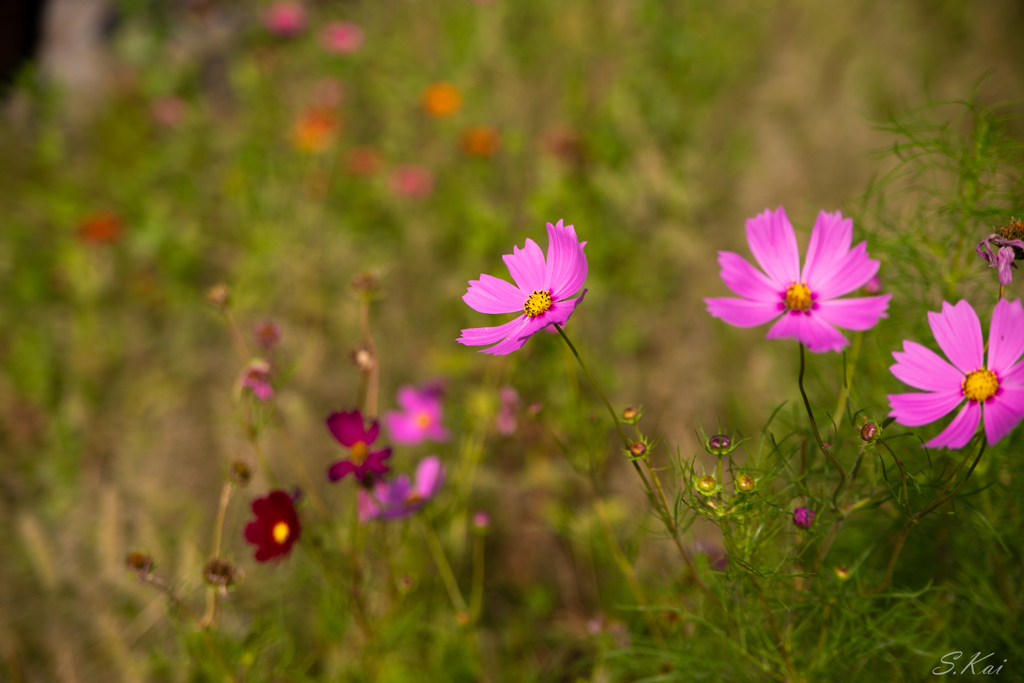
x,y
848,368
236,337
844,511
903,476
916,517
212,614
666,509
627,569
476,595
444,569
817,436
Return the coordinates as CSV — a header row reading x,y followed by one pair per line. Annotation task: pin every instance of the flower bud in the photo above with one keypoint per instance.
x,y
707,483
630,415
803,517
719,443
745,483
366,283
140,563
481,521
219,296
637,449
267,334
363,357
842,573
462,617
869,432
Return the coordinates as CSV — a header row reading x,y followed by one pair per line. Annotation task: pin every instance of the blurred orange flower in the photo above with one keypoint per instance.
x,y
101,227
480,141
442,99
316,130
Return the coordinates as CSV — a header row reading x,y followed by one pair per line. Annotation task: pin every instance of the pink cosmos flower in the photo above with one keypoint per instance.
x,y
342,37
420,418
285,18
803,517
805,299
542,291
412,181
351,432
401,498
998,385
256,378
505,421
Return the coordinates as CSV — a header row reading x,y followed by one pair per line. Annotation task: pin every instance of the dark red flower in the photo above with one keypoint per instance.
x,y
351,432
276,527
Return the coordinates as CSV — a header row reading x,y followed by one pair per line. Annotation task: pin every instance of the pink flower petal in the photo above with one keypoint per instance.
x,y
958,332
1003,412
566,269
492,295
429,477
559,312
960,430
746,280
527,267
1005,336
340,470
479,336
922,368
743,312
347,428
851,272
1015,375
916,409
516,337
811,330
830,242
860,313
773,243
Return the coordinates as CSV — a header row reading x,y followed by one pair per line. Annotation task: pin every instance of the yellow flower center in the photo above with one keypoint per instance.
x,y
980,385
422,420
539,302
798,297
280,532
359,452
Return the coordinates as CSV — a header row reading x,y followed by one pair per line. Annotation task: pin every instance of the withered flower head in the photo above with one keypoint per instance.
x,y
366,283
363,357
219,296
241,472
140,563
221,573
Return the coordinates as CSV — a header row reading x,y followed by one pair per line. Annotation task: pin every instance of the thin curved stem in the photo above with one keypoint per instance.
x,y
817,436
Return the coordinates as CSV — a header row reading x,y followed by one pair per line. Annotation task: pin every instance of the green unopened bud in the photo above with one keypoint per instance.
x,y
842,573
745,483
707,483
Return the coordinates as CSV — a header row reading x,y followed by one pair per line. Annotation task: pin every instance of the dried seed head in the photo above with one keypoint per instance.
x,y
366,283
140,563
241,472
221,573
363,357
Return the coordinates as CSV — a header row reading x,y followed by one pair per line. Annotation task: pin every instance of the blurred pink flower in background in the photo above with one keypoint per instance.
x,y
401,497
803,517
342,37
363,161
419,419
873,286
505,422
481,520
256,378
267,334
412,181
285,18
169,111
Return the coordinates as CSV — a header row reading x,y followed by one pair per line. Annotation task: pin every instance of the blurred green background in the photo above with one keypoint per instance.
x,y
655,128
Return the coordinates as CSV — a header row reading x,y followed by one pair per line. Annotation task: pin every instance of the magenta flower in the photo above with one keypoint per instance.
x,y
400,497
420,418
285,18
342,37
542,291
805,299
351,432
803,517
998,386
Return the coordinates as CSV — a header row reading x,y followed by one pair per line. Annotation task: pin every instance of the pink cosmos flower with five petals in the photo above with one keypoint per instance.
x,y
542,291
994,391
402,497
420,418
806,299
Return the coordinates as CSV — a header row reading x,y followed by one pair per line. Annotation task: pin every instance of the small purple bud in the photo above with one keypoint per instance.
x,y
719,443
637,448
873,286
481,521
803,517
869,431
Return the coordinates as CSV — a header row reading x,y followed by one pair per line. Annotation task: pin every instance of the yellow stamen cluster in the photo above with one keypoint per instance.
x,y
281,532
980,385
798,297
359,452
539,302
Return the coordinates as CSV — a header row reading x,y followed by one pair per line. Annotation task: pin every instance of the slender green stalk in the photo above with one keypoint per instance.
x,y
444,569
212,613
476,596
817,436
